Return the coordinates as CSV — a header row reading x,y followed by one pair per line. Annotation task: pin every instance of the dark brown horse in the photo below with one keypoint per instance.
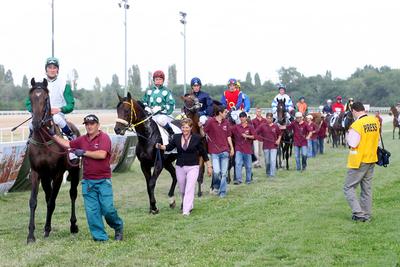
x,y
132,116
286,145
48,161
395,113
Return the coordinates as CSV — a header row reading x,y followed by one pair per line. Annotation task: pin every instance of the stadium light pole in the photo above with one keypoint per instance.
x,y
183,21
124,4
52,28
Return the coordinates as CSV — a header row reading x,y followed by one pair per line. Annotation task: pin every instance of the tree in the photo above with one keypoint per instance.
x,y
134,82
8,78
25,82
257,81
290,76
172,81
74,79
248,78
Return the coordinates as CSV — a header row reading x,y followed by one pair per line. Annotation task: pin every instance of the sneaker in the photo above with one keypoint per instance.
x,y
359,218
222,195
237,182
119,235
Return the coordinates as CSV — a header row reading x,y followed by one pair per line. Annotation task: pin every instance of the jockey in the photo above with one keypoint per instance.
x,y
348,105
245,99
302,105
231,98
288,103
337,108
206,109
158,101
328,107
61,97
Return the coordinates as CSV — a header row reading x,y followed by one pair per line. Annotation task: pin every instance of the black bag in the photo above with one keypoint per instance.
x,y
383,155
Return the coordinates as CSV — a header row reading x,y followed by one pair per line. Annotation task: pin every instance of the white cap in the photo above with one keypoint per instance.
x,y
309,116
298,114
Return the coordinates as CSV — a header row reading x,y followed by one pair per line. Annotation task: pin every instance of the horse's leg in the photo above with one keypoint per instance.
x,y
32,205
146,169
73,193
200,178
287,156
171,193
51,205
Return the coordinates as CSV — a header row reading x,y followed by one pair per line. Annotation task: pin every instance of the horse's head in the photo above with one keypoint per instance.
x,y
40,103
130,113
191,103
281,111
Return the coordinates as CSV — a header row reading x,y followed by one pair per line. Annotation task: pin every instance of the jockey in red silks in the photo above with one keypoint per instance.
x,y
232,98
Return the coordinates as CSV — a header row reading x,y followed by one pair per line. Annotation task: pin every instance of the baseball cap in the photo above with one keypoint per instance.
x,y
298,115
90,119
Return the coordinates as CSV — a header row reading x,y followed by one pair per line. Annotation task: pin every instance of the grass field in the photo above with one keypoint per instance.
x,y
299,219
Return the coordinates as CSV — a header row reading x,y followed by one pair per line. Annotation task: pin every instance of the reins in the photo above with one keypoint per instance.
x,y
130,125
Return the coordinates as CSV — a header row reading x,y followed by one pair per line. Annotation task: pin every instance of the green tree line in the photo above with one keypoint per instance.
x,y
372,85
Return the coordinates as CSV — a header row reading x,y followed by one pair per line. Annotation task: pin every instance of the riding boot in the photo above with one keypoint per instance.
x,y
30,136
304,162
67,131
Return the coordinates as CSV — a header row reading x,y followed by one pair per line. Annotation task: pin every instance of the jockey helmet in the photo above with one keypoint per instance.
x,y
351,99
158,74
238,85
338,97
301,97
52,61
281,86
328,101
232,81
195,81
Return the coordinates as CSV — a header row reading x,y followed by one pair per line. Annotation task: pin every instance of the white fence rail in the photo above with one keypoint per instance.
x,y
22,133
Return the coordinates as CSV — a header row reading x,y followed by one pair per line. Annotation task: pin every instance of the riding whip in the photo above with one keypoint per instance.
x,y
13,129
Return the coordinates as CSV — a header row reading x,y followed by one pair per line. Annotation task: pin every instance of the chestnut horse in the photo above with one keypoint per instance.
x,y
132,116
48,161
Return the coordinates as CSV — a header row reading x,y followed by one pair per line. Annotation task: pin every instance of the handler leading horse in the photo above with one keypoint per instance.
x,y
48,161
131,114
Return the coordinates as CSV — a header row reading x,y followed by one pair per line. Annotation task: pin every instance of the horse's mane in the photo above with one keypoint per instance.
x,y
216,102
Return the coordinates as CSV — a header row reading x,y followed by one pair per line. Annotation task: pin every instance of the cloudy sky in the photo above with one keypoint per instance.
x,y
224,38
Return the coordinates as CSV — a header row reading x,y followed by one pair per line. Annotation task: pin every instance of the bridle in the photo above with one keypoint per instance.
x,y
130,125
196,105
46,117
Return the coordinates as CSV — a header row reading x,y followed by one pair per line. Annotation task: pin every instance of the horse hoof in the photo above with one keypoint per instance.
x,y
172,205
46,234
31,240
200,194
154,212
74,229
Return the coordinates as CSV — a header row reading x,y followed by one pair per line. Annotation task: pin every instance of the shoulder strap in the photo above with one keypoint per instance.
x,y
380,133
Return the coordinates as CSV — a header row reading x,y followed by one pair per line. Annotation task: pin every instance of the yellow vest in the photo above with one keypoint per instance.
x,y
365,152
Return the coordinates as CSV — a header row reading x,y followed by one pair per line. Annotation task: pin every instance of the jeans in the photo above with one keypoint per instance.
x,y
240,160
312,148
300,151
220,169
270,161
321,145
98,200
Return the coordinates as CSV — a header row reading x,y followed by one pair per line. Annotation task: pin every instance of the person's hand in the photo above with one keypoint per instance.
x,y
147,109
232,152
51,132
79,152
156,109
159,146
209,170
55,111
277,142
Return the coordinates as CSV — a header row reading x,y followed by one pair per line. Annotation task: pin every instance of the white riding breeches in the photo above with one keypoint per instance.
x,y
162,119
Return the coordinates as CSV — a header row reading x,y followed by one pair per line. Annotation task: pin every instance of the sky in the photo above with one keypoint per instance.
x,y
224,39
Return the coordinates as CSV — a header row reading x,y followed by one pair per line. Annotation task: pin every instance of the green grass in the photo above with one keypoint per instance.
x,y
299,219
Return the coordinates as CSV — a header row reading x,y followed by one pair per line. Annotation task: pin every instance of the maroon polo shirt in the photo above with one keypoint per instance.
x,y
268,134
257,122
244,145
94,169
217,135
300,132
313,127
322,129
